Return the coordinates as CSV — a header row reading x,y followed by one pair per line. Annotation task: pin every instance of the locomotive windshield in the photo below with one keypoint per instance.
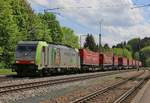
x,y
26,48
26,51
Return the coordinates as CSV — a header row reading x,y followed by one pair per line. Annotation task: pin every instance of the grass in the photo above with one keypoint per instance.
x,y
6,72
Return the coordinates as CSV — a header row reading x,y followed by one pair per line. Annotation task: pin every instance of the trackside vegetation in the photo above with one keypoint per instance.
x,y
139,48
6,72
18,22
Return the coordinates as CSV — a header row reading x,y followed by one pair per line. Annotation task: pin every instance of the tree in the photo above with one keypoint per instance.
x,y
70,38
8,33
137,47
22,14
121,45
128,47
106,46
145,54
53,25
29,24
39,30
148,62
134,43
90,43
122,52
137,56
145,42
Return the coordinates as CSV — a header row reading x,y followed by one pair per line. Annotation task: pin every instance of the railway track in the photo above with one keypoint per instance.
x,y
126,95
4,78
93,97
30,85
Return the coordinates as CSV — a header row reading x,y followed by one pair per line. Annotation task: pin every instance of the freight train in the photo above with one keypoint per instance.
x,y
39,57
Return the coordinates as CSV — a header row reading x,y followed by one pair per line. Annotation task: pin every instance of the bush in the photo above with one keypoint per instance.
x,y
148,62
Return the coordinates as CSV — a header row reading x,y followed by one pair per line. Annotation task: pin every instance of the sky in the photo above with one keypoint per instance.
x,y
120,21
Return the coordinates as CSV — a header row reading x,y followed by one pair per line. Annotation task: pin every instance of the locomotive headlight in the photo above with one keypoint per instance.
x,y
32,62
25,62
17,61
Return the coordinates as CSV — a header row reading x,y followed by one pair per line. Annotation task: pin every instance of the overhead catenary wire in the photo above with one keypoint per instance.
x,y
57,10
141,6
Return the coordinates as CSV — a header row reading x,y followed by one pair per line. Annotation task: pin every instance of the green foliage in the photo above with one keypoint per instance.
x,y
137,55
122,52
135,44
30,25
90,43
53,25
106,46
6,72
128,47
121,45
39,30
70,38
106,49
137,47
18,22
145,54
145,42
148,62
8,32
20,13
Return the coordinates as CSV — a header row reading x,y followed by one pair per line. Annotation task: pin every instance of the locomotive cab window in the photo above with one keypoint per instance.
x,y
24,48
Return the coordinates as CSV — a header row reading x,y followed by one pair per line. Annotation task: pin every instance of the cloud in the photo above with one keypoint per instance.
x,y
43,3
119,34
119,21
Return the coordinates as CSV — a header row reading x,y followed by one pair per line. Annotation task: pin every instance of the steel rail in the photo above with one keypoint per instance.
x,y
101,91
30,85
130,91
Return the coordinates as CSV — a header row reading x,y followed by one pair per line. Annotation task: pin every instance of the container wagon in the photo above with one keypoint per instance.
x,y
140,64
107,61
122,63
130,63
134,63
89,60
115,62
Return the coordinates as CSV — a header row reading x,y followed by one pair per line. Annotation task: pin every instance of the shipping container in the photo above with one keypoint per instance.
x,y
130,62
140,63
133,62
107,60
137,63
115,60
89,58
122,61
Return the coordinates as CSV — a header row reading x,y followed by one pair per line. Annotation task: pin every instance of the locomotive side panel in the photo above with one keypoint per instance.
x,y
63,57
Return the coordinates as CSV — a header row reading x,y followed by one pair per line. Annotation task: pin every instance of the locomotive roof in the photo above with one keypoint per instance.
x,y
28,42
65,45
36,42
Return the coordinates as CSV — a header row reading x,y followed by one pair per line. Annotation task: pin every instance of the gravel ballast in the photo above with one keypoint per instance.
x,y
62,93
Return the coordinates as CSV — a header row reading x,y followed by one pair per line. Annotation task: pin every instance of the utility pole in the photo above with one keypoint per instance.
x,y
100,35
